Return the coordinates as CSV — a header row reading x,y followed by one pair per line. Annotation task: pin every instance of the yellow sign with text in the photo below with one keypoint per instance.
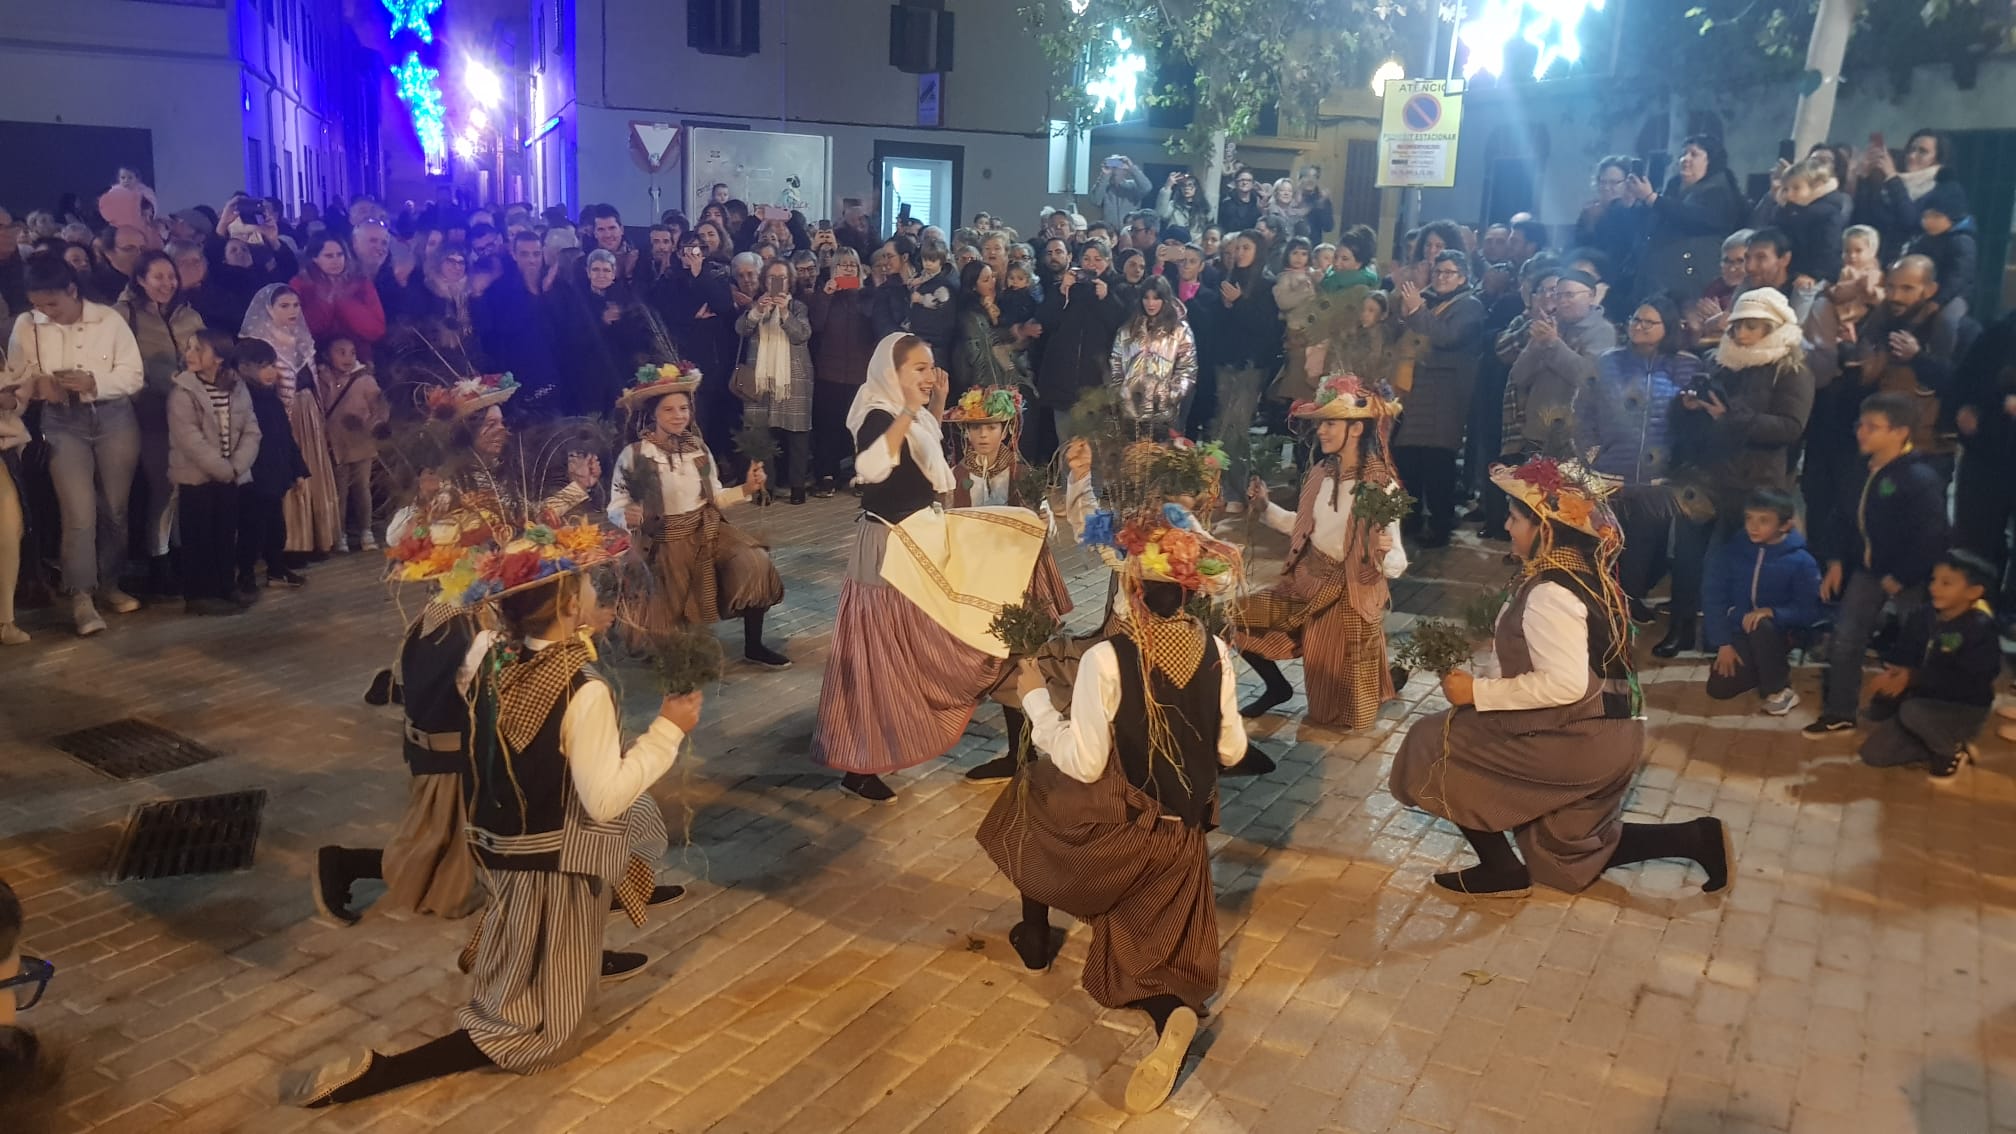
x,y
1417,135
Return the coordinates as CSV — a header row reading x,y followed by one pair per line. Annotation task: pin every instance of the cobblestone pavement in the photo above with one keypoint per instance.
x,y
841,966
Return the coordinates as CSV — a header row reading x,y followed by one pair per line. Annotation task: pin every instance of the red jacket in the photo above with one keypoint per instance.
x,y
348,309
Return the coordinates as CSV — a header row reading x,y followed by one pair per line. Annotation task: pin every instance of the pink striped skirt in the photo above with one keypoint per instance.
x,y
899,689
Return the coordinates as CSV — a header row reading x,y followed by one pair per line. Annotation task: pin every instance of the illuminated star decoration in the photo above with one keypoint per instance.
x,y
420,90
1119,85
412,15
1549,25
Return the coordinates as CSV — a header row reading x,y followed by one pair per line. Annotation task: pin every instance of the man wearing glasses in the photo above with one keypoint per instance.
x,y
23,1081
1559,360
1241,208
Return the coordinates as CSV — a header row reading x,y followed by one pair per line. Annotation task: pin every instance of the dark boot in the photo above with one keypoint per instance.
x,y
752,643
1682,636
1254,763
1278,690
1003,766
1498,873
1704,840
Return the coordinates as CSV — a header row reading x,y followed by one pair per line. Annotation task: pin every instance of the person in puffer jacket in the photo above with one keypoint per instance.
x,y
1755,590
1622,421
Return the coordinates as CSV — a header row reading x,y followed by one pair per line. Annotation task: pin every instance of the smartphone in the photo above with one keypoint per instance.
x,y
825,226
1876,139
1788,151
846,283
1636,167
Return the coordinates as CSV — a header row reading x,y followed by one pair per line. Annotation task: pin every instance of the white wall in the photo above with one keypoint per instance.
x,y
1003,175
1571,114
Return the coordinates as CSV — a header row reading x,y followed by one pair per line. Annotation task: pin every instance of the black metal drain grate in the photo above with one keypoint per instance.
x,y
211,834
131,748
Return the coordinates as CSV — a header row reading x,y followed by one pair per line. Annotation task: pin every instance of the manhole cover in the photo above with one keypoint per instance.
x,y
209,834
131,748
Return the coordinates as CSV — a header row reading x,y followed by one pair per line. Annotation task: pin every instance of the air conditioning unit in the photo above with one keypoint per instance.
x,y
724,27
920,37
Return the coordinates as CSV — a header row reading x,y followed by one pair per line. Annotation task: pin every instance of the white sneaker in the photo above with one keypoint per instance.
x,y
367,544
85,616
1781,702
342,547
119,601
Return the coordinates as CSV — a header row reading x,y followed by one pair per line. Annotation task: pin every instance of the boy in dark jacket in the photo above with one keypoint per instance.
x,y
1892,533
262,524
1948,240
1752,594
1938,682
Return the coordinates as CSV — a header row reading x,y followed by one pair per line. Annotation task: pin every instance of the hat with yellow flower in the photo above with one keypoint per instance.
x,y
469,562
1164,545
655,381
1347,397
987,405
469,396
1564,491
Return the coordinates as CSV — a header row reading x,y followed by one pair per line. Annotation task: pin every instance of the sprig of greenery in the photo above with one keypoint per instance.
x,y
1023,629
1436,645
1375,507
685,659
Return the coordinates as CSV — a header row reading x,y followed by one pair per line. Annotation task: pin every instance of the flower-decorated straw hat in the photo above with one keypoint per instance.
x,y
469,396
1565,491
469,564
987,405
1347,397
654,381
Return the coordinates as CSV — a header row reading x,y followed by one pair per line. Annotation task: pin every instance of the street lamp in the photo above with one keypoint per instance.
x,y
1388,72
482,83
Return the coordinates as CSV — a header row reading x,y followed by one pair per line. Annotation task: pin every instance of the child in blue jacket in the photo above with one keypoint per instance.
x,y
1755,590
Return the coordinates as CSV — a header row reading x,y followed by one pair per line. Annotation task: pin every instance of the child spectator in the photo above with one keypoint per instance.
x,y
355,408
1861,283
262,519
1939,679
934,307
1017,300
1948,240
1755,591
1813,213
29,1078
213,439
1893,531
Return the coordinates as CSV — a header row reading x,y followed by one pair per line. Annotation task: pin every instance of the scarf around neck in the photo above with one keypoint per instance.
x,y
1918,182
1731,356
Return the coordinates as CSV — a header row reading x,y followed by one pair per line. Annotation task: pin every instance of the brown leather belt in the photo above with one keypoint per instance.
x,y
434,741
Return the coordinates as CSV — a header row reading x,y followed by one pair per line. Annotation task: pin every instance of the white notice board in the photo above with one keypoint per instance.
x,y
760,167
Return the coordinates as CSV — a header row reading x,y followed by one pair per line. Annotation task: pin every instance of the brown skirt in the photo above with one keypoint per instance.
x,y
899,688
704,569
1560,791
428,866
1047,591
313,515
1308,614
1101,853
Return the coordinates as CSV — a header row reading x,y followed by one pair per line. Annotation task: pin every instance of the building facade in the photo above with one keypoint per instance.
x,y
203,97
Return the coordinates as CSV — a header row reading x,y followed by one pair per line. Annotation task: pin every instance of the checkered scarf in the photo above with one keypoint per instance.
x,y
528,688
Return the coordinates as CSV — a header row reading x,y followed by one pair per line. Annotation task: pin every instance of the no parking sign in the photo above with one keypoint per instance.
x,y
1417,139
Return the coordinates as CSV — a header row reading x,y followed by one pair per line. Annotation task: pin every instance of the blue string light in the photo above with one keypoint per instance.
x,y
420,90
412,15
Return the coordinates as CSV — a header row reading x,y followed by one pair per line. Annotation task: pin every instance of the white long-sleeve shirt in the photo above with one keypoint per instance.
x,y
1333,524
1081,744
679,487
606,778
1556,626
99,341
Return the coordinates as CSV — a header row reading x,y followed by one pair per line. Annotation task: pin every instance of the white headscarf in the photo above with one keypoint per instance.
x,y
296,348
883,392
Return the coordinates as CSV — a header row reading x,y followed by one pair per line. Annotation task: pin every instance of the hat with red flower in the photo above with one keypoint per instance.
x,y
468,396
656,381
469,562
987,405
1347,397
1564,491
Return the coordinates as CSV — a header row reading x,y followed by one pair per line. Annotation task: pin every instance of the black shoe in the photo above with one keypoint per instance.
x,y
1947,769
1269,698
1400,675
999,768
1825,727
660,895
621,966
1714,853
756,653
1474,515
247,591
331,887
1034,945
380,690
1680,637
1434,539
285,579
824,488
870,788
1482,882
1642,615
798,495
1254,763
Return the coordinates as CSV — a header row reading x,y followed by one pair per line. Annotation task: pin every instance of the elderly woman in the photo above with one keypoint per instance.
x,y
1700,207
776,330
1547,749
1449,317
314,514
667,491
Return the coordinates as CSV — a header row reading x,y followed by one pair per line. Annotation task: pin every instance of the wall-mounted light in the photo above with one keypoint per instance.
x,y
482,83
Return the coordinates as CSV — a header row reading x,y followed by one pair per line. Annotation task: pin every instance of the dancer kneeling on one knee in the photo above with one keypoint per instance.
x,y
1547,749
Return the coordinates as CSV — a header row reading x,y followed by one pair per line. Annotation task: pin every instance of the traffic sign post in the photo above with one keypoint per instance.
x,y
1417,134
